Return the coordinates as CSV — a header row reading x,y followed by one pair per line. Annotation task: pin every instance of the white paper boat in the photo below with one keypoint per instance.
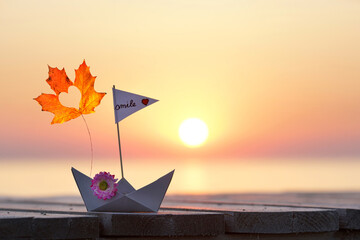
x,y
127,199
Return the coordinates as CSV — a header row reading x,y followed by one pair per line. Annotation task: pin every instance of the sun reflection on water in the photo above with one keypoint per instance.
x,y
192,176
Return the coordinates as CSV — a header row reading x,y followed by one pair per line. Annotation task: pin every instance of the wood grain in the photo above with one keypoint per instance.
x,y
42,225
268,219
217,217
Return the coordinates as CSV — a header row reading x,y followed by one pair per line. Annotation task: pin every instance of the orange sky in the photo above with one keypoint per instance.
x,y
270,78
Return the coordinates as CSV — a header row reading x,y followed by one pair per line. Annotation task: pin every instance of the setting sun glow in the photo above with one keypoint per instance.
x,y
251,94
193,132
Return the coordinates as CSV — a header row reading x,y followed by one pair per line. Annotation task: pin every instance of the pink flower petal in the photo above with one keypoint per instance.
x,y
111,189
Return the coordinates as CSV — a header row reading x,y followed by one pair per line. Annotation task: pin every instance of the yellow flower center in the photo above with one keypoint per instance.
x,y
103,185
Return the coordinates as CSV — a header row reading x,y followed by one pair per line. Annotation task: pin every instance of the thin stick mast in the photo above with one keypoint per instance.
x,y
122,171
117,125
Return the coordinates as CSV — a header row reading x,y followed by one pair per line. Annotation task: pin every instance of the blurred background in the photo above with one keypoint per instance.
x,y
276,82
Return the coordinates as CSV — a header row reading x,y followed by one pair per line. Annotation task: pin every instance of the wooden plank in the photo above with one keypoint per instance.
x,y
349,219
344,201
169,223
265,219
238,218
47,226
346,204
163,223
65,227
11,223
63,200
343,198
296,213
340,235
49,208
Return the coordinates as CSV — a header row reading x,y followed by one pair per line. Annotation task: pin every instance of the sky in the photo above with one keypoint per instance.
x,y
271,79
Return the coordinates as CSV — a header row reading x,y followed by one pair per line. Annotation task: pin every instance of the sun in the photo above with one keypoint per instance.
x,y
193,132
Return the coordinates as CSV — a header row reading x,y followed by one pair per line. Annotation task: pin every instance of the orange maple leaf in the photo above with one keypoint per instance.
x,y
59,82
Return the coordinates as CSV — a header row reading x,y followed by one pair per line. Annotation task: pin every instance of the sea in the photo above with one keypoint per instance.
x,y
53,177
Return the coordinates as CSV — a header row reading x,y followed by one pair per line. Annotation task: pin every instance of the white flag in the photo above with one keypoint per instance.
x,y
126,103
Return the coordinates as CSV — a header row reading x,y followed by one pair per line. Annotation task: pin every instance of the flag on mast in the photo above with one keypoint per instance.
x,y
126,103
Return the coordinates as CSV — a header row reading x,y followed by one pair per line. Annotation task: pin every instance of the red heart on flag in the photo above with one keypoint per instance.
x,y
145,101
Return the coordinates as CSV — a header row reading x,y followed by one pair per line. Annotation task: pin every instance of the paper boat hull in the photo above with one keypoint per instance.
x,y
127,199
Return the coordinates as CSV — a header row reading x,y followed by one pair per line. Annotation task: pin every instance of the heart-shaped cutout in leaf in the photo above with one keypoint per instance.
x,y
71,98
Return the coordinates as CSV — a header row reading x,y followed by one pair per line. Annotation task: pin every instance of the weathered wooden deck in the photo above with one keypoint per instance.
x,y
215,217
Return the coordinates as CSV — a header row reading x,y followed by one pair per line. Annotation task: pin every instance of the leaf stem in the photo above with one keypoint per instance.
x,y
91,145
